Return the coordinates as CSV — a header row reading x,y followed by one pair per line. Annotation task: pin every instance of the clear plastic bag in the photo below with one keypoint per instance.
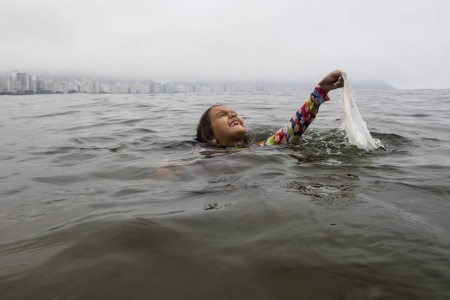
x,y
352,122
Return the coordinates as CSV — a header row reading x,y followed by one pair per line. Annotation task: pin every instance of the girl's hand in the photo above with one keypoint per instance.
x,y
332,81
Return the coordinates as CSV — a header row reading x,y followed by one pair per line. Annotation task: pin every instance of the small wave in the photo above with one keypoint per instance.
x,y
127,173
7,157
393,139
181,144
90,217
130,121
70,112
62,179
128,192
69,149
126,133
16,190
107,122
419,115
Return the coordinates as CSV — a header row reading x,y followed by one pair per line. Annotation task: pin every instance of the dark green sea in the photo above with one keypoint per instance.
x,y
109,197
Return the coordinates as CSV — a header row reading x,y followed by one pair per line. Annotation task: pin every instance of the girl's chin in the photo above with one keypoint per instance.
x,y
238,128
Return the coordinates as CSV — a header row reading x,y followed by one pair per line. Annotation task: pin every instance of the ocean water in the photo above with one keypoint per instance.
x,y
108,197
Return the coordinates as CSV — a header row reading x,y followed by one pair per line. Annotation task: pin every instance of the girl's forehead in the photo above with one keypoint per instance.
x,y
220,108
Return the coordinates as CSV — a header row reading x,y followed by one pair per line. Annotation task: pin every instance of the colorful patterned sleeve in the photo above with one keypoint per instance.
x,y
298,124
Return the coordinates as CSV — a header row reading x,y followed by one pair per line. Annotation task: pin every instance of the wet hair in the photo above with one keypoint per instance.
x,y
204,128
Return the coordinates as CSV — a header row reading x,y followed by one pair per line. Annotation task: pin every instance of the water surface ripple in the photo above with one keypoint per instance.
x,y
109,197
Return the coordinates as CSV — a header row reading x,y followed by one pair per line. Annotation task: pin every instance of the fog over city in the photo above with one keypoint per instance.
x,y
402,43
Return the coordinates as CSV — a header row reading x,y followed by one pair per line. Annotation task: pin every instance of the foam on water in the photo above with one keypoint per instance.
x,y
352,122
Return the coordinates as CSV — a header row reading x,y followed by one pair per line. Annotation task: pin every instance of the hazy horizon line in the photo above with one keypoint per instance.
x,y
63,75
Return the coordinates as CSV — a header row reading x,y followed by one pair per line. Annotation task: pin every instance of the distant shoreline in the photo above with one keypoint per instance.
x,y
27,84
19,83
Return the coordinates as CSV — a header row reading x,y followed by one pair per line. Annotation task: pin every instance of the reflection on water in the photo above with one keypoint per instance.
x,y
109,198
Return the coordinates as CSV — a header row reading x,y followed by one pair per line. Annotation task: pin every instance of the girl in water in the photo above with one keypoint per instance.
x,y
220,126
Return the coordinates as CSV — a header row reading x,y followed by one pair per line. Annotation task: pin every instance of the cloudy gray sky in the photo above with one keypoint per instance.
x,y
401,42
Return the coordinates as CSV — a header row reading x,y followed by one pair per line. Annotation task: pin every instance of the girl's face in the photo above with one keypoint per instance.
x,y
227,127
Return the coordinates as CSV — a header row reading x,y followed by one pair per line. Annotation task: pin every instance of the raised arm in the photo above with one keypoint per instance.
x,y
298,124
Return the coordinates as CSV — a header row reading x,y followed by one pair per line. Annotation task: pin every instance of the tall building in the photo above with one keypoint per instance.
x,y
5,85
105,88
73,86
24,78
33,83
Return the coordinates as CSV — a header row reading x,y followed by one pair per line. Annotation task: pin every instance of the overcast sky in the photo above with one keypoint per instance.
x,y
401,42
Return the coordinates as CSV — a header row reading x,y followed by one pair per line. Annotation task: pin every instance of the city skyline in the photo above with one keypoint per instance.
x,y
20,83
